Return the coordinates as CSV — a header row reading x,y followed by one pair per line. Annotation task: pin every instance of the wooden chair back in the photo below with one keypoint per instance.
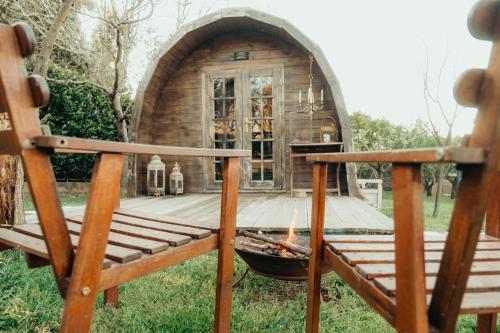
x,y
20,97
476,88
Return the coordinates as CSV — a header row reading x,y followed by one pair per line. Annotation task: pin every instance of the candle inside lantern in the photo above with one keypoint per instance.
x,y
321,96
300,96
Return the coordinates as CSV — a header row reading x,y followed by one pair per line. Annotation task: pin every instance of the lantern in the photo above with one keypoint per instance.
x,y
176,180
156,176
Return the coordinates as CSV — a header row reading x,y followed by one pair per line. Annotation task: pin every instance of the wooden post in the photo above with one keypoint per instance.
x,y
227,234
87,268
487,323
111,296
317,223
411,307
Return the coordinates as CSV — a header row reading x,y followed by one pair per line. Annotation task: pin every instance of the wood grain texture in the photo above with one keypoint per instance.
x,y
83,286
411,309
487,323
227,234
431,155
130,148
320,177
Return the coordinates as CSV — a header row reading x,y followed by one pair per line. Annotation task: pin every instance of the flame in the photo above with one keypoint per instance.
x,y
291,231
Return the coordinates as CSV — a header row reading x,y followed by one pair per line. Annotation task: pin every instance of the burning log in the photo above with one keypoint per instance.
x,y
279,243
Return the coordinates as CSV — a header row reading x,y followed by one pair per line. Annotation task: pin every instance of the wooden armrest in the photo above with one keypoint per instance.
x,y
76,145
431,155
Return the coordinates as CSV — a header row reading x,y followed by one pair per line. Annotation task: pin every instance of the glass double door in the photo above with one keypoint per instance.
x,y
243,112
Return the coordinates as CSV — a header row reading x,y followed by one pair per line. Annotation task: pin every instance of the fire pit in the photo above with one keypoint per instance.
x,y
275,261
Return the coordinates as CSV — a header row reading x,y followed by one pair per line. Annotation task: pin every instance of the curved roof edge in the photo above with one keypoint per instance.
x,y
268,19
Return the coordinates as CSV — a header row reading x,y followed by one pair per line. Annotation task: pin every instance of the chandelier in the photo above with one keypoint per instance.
x,y
310,106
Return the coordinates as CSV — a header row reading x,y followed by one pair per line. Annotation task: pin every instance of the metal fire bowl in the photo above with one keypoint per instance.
x,y
291,269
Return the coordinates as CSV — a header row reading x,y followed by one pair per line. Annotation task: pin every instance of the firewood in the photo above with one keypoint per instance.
x,y
289,246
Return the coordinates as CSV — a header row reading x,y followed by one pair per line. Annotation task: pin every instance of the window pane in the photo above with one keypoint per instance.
x,y
218,88
268,171
256,150
268,129
267,110
256,86
256,108
267,85
257,129
231,130
219,131
230,87
218,170
219,145
218,108
230,144
256,172
268,150
230,108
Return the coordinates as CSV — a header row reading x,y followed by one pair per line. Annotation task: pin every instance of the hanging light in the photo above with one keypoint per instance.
x,y
310,106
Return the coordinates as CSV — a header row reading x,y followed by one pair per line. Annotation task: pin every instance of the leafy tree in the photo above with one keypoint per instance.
x,y
82,111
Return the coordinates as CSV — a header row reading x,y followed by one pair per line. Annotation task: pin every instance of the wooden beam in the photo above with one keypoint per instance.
x,y
411,307
433,155
227,234
486,323
120,274
320,176
84,282
86,145
16,99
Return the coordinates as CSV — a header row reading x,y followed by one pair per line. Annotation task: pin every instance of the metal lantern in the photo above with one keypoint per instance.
x,y
156,176
176,180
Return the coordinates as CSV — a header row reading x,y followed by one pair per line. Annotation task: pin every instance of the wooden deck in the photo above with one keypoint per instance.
x,y
262,211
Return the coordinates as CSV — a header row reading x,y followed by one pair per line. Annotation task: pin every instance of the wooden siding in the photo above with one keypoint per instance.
x,y
178,113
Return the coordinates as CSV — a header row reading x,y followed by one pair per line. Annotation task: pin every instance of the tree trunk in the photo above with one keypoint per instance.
x,y
11,185
41,64
428,188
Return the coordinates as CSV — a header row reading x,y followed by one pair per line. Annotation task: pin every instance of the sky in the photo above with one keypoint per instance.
x,y
377,49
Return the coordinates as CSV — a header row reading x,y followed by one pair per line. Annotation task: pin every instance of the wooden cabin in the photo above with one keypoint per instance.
x,y
232,80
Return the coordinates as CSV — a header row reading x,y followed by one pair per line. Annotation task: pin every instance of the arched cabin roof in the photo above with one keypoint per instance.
x,y
191,35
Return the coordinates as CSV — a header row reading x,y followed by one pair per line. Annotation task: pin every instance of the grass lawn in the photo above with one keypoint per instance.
x,y
181,298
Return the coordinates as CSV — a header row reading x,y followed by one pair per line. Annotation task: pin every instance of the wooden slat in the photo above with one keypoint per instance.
x,y
166,219
29,244
178,229
69,143
144,245
428,238
433,155
389,247
125,229
379,301
115,253
371,271
121,273
475,283
24,242
354,258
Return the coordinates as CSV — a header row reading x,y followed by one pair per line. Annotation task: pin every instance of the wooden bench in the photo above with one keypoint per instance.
x,y
107,246
421,282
